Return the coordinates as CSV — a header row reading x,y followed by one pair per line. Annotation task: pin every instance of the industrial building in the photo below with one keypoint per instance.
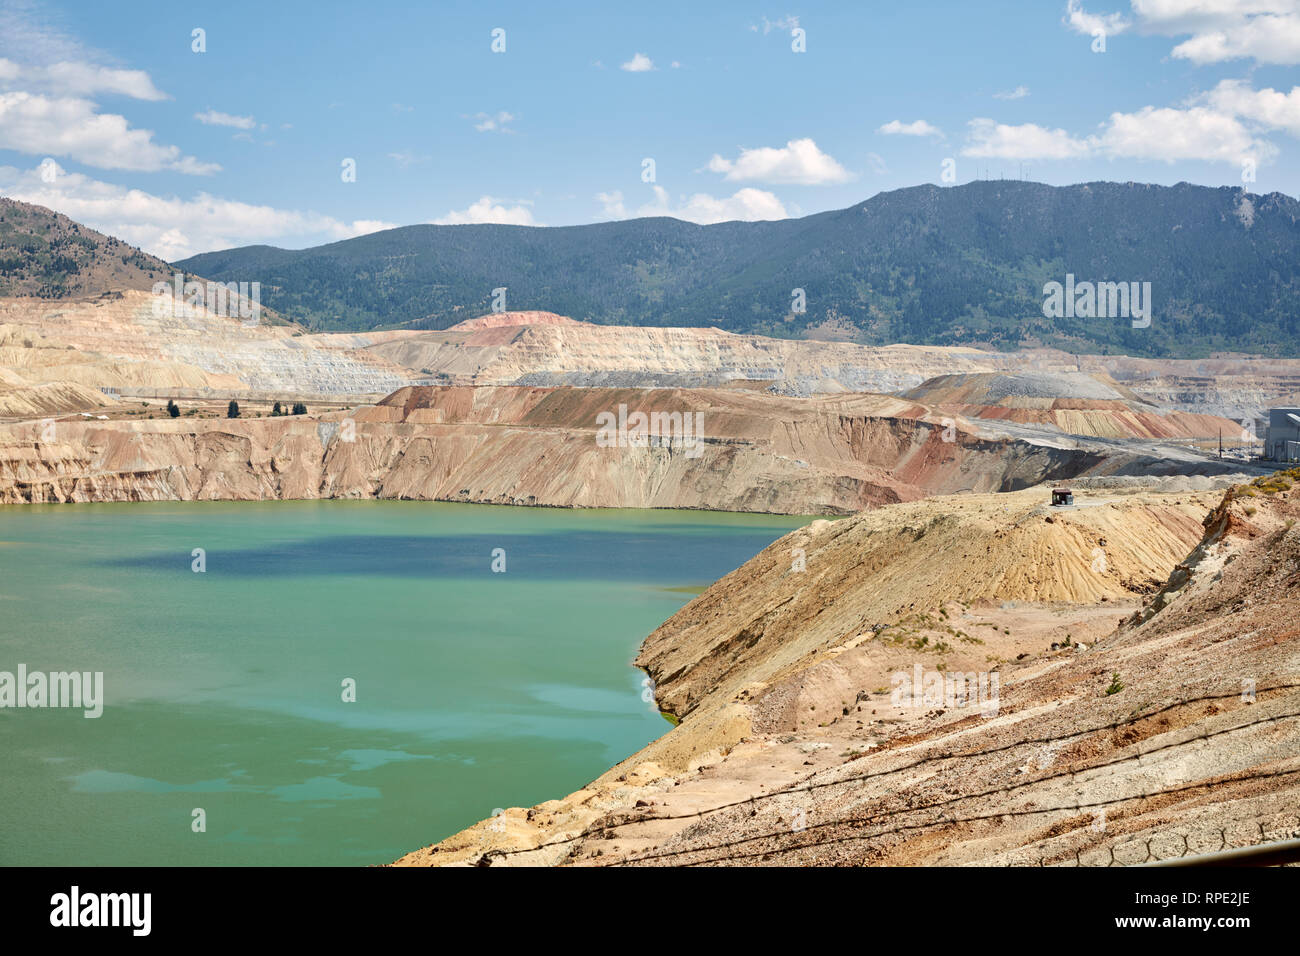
x,y
1282,443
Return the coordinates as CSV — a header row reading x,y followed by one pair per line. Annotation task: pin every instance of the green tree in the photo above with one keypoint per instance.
x,y
232,410
276,411
173,409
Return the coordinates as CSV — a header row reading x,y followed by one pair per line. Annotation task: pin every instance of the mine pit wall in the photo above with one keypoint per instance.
x,y
538,446
502,464
915,453
246,395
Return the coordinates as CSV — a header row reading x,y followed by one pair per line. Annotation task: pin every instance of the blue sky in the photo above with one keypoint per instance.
x,y
108,115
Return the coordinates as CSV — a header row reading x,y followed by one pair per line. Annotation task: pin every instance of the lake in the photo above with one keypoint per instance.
x,y
224,689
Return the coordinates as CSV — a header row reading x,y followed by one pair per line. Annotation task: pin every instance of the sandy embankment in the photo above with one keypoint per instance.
x,y
791,751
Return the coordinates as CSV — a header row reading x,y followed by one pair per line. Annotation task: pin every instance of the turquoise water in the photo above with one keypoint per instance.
x,y
224,689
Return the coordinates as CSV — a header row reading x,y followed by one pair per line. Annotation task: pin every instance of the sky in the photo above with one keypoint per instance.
x,y
187,128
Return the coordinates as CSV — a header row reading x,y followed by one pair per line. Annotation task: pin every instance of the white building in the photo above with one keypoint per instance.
x,y
1283,440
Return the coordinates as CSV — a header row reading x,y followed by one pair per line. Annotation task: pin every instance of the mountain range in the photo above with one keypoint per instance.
x,y
926,265
964,265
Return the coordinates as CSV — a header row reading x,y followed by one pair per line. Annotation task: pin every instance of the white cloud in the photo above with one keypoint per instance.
x,y
1019,93
70,127
21,32
1180,134
1267,31
359,227
877,164
1081,21
215,118
746,204
1187,16
1165,134
784,23
799,161
494,122
611,205
54,62
69,78
1268,108
47,81
990,140
918,128
406,158
640,63
487,209
174,228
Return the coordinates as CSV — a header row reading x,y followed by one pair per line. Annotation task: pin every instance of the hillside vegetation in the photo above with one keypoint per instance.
x,y
47,255
929,265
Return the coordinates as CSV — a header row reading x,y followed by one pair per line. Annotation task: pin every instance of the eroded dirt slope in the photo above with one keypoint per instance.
x,y
133,342
540,349
1123,732
1077,403
539,446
